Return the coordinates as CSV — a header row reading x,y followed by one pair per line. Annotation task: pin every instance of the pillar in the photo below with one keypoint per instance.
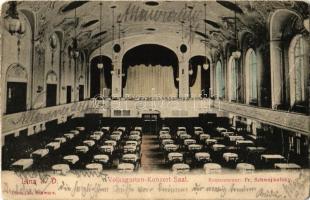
x,y
117,79
276,72
183,79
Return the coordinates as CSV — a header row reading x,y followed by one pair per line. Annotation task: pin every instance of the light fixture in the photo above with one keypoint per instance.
x,y
100,64
205,66
12,21
307,24
75,51
40,89
236,54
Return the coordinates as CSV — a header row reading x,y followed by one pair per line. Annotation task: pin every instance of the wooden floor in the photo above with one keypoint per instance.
x,y
152,158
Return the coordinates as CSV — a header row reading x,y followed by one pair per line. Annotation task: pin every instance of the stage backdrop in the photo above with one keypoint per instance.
x,y
150,81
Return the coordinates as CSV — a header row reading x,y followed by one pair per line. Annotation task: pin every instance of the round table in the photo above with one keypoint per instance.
x,y
71,158
94,166
81,149
101,158
212,168
61,168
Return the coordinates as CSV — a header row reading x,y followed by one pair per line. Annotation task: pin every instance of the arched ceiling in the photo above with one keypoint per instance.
x,y
148,17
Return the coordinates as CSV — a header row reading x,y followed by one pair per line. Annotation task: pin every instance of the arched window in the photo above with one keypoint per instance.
x,y
219,80
234,79
299,54
252,76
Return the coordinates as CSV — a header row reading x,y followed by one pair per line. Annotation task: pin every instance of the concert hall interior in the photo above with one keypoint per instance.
x,y
172,86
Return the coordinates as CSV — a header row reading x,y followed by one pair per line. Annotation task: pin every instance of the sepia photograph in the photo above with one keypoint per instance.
x,y
155,99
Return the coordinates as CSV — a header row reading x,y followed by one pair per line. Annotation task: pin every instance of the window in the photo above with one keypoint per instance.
x,y
299,59
251,77
298,70
219,80
234,79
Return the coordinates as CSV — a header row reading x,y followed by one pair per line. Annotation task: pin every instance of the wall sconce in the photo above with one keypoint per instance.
x,y
236,54
307,24
112,72
190,72
177,79
40,89
63,87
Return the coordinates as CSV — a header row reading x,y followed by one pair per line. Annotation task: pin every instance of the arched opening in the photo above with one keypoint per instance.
x,y
100,79
16,97
298,59
150,70
199,76
233,79
284,26
251,77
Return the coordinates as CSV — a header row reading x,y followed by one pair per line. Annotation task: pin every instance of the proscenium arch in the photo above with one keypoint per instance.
x,y
150,54
171,42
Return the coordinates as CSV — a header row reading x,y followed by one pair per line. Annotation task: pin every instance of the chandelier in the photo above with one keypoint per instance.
x,y
12,21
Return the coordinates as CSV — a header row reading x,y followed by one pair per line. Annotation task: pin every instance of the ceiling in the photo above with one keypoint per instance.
x,y
211,22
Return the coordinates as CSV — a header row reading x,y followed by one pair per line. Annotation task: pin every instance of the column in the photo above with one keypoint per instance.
x,y
276,73
183,79
117,79
102,82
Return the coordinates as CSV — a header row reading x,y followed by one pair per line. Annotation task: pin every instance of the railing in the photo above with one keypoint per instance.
x,y
166,108
20,120
291,121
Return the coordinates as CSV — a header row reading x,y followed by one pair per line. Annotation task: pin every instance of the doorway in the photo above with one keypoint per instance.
x,y
69,90
51,95
81,92
16,97
150,123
